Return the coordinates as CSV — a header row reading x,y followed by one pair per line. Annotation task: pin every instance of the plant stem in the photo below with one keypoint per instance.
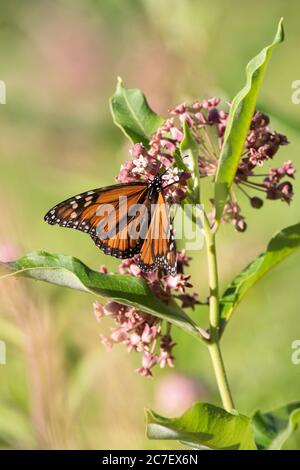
x,y
214,318
220,373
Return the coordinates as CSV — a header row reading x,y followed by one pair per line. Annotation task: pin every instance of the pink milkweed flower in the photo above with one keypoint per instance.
x,y
176,134
177,283
103,269
150,333
148,361
137,150
142,332
98,310
118,335
107,342
165,359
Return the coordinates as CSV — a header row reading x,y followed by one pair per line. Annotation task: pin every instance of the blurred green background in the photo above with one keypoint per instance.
x,y
60,60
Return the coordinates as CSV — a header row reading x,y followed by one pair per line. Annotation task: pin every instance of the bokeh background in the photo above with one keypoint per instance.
x,y
60,60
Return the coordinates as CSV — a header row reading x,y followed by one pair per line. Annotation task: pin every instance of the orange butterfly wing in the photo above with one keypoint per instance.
x,y
101,214
127,241
118,232
159,249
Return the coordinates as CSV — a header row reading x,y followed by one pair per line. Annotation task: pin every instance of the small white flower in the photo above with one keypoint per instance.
x,y
172,176
139,165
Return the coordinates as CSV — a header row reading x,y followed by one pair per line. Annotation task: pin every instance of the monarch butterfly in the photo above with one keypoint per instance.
x,y
111,223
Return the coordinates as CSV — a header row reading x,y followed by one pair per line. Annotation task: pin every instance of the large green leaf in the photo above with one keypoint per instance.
x,y
281,245
70,272
241,112
132,113
272,429
204,425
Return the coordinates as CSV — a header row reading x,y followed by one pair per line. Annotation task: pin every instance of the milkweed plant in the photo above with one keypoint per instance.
x,y
234,146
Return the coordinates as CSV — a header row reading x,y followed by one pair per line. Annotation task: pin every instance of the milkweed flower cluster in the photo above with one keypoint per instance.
x,y
207,121
142,332
147,163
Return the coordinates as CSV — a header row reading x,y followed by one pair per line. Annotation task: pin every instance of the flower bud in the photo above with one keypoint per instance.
x,y
256,202
240,225
213,116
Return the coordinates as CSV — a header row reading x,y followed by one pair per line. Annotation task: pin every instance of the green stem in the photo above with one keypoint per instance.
x,y
220,373
214,318
213,338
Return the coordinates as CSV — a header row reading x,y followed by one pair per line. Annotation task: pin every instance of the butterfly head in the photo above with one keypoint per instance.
x,y
155,185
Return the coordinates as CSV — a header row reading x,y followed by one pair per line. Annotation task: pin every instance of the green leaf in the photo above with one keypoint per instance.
x,y
190,148
204,425
281,245
241,112
132,113
272,429
70,272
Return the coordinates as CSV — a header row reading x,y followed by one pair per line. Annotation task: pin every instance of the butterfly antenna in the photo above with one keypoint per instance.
x,y
166,171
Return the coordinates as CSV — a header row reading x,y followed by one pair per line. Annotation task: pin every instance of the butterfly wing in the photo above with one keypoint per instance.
x,y
103,214
127,241
159,249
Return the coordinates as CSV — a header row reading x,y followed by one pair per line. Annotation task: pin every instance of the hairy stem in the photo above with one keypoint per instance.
x,y
214,318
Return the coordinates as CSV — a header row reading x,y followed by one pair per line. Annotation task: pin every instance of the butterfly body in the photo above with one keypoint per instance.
x,y
155,187
124,220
